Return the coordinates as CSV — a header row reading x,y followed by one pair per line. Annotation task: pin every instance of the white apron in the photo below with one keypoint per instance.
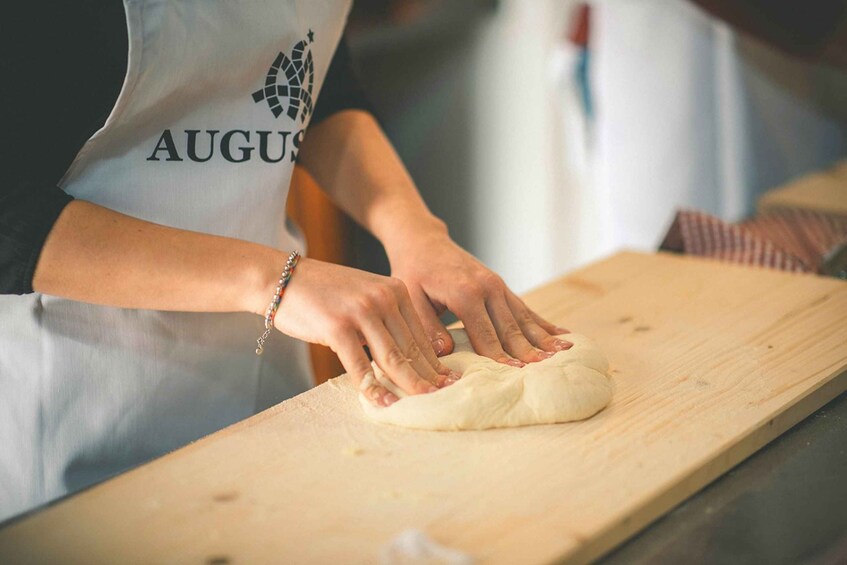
x,y
203,137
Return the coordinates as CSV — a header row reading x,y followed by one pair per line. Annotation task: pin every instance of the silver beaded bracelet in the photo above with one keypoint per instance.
x,y
270,314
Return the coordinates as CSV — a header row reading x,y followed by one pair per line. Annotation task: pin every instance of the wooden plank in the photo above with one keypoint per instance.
x,y
822,192
710,362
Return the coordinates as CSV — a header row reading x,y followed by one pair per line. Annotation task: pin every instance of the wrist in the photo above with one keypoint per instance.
x,y
406,233
259,283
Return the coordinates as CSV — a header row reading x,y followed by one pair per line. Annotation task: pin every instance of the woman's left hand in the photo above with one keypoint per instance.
x,y
441,276
353,161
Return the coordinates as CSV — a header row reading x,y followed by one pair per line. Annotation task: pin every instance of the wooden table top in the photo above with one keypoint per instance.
x,y
709,362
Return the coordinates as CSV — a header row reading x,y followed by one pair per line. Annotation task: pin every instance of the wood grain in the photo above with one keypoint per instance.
x,y
825,191
710,362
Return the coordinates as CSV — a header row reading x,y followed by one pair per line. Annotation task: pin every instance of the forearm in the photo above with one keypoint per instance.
x,y
354,163
352,160
97,255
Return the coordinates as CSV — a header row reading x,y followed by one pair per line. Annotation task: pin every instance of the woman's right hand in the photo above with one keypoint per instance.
x,y
100,256
345,309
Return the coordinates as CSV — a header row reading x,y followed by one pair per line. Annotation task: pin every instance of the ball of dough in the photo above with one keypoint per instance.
x,y
571,385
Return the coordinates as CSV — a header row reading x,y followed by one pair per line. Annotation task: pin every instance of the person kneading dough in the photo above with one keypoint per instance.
x,y
143,270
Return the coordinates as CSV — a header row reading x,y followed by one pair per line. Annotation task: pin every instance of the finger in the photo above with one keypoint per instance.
x,y
357,365
439,337
510,333
536,334
415,326
482,334
393,359
417,348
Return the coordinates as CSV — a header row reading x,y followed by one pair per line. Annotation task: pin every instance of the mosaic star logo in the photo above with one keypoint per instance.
x,y
298,72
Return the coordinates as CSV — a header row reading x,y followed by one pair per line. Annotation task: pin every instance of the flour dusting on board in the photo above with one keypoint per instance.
x,y
414,547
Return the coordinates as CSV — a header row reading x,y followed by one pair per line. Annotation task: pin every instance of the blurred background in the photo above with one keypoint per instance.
x,y
549,133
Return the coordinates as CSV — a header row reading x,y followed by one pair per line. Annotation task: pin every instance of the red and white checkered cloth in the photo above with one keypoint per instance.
x,y
789,239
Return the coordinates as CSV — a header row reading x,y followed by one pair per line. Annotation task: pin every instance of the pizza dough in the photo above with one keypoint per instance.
x,y
571,385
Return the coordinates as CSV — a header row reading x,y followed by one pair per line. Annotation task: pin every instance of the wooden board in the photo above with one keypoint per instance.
x,y
710,362
822,192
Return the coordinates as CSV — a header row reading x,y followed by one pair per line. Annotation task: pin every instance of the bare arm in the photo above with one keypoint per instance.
x,y
353,161
100,256
355,164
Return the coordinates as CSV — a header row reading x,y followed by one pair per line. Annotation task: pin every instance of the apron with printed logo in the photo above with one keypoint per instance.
x,y
203,137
